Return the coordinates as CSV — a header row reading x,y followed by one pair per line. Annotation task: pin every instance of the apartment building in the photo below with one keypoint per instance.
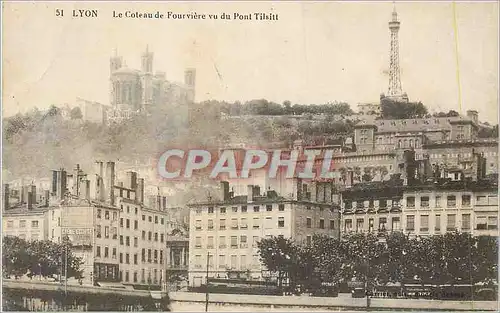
x,y
121,241
464,206
423,204
224,232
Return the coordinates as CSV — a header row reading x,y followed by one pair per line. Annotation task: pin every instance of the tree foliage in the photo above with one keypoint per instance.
x,y
39,258
452,258
402,110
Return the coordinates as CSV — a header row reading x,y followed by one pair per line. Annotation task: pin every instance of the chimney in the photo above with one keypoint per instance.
x,y
54,183
250,193
299,189
85,189
225,190
29,204
24,194
164,202
131,180
76,181
473,115
110,183
139,192
6,196
158,202
46,198
32,189
256,191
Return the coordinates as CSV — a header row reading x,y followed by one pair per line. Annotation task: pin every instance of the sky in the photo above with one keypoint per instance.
x,y
316,52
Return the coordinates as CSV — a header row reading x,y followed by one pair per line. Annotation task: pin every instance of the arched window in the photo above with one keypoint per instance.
x,y
411,143
399,144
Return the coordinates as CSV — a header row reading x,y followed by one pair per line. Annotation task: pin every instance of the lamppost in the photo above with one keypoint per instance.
x,y
206,284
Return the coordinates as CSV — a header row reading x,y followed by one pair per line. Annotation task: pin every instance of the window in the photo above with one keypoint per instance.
x,y
256,208
128,223
143,255
255,241
150,218
308,240
234,223
136,242
98,213
156,236
234,261
451,201
136,224
466,200
135,258
211,210
135,277
451,223
197,242
308,222
281,221
322,223
382,224
210,242
98,251
156,219
34,224
128,209
243,223
348,225
268,222
106,252
359,224
243,209
10,224
465,221
281,207
222,261
269,207
106,214
162,221
113,254
162,238
437,227
127,241
222,224
197,225
106,231
150,234
410,202
482,223
222,210
437,200
121,257
121,222
234,242
135,211
149,255
210,224
143,235
256,223
243,241
492,222
396,224
98,230
222,242
410,222
143,217
424,223
243,262
332,224
234,209
424,202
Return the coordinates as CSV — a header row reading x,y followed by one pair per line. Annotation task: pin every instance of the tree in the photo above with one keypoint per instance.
x,y
45,258
279,255
328,260
15,256
402,110
76,113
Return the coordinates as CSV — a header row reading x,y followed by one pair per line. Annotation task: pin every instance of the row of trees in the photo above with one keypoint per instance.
x,y
453,258
39,258
265,107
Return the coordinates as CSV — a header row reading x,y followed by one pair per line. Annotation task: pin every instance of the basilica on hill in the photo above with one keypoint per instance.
x,y
135,91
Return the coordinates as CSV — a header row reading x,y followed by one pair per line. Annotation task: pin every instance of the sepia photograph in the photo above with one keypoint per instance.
x,y
229,156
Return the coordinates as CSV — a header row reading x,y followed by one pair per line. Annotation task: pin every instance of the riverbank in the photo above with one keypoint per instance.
x,y
188,301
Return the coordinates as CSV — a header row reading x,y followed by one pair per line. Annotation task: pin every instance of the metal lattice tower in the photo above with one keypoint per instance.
x,y
395,89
